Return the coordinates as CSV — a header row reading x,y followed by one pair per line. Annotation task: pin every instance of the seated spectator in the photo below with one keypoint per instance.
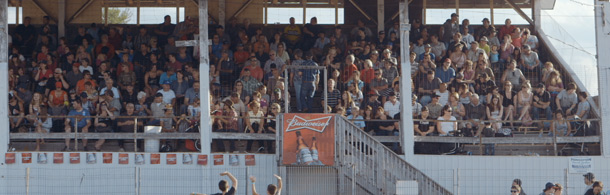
x,y
110,87
523,101
274,59
126,77
254,123
168,76
356,118
529,60
474,52
445,72
129,95
542,102
81,123
560,126
567,99
529,39
392,107
446,124
379,83
16,110
80,85
427,87
475,113
58,99
495,112
383,127
253,66
334,95
435,107
73,77
43,124
103,122
126,125
443,93
584,108
250,84
458,58
373,101
422,126
437,48
169,97
458,108
513,74
483,86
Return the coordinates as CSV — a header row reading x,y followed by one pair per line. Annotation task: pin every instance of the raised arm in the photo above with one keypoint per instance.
x,y
233,179
253,179
279,184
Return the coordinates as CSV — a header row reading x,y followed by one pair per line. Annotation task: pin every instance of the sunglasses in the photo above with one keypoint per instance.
x,y
513,191
273,108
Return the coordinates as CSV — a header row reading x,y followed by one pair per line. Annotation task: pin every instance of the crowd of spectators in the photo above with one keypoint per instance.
x,y
459,72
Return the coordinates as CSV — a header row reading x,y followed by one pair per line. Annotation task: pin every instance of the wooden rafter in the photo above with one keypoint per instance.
x,y
79,11
519,11
37,4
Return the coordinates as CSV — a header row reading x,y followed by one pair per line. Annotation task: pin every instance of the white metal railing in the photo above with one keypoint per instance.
x,y
373,166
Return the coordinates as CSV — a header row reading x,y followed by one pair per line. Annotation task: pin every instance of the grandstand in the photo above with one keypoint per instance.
x,y
164,96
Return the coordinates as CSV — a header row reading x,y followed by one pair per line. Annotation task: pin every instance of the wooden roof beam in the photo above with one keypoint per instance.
x,y
37,4
512,4
79,11
241,9
362,11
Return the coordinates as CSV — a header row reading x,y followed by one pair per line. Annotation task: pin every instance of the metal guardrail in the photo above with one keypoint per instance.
x,y
373,166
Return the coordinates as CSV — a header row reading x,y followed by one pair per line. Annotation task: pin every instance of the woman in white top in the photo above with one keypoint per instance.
x,y
495,111
524,101
254,122
43,124
458,57
446,123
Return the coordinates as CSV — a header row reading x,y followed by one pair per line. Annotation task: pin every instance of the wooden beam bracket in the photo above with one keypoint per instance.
x,y
519,11
79,11
362,12
241,9
37,4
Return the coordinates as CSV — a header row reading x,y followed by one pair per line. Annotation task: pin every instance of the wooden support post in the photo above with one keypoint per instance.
x,y
4,132
304,2
491,11
380,15
457,7
406,124
222,12
425,6
337,12
17,18
105,15
138,13
265,20
537,14
204,69
61,18
603,40
178,13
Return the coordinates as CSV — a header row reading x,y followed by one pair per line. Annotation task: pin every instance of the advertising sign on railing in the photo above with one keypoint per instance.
x,y
309,139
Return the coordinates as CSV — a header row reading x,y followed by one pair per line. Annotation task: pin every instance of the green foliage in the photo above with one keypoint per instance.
x,y
118,16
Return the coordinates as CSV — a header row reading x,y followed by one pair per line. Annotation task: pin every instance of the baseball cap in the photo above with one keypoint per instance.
x,y
141,94
485,19
540,85
166,82
484,38
427,46
374,92
454,14
435,95
548,185
589,176
58,70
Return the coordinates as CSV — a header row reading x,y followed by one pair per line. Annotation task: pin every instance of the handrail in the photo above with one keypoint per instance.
x,y
378,167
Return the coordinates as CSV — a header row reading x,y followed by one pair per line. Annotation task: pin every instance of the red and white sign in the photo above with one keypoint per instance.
x,y
155,159
202,159
123,158
58,158
9,158
317,124
107,158
250,160
26,158
309,139
219,159
171,159
74,158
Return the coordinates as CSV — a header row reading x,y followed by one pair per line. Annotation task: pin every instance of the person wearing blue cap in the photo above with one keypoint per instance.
x,y
549,189
169,97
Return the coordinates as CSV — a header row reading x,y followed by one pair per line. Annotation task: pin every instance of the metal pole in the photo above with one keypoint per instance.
x,y
4,137
135,135
27,181
204,69
75,134
326,91
286,103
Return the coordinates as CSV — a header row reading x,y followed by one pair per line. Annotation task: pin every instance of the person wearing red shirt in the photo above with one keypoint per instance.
x,y
367,74
105,43
241,56
349,68
255,69
507,29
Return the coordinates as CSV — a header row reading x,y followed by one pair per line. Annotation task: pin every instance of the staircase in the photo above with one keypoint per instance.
x,y
371,166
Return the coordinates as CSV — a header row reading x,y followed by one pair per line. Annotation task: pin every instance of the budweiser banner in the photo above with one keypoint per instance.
x,y
107,158
123,158
74,158
9,158
202,159
26,158
171,159
218,159
58,158
309,139
155,159
250,160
